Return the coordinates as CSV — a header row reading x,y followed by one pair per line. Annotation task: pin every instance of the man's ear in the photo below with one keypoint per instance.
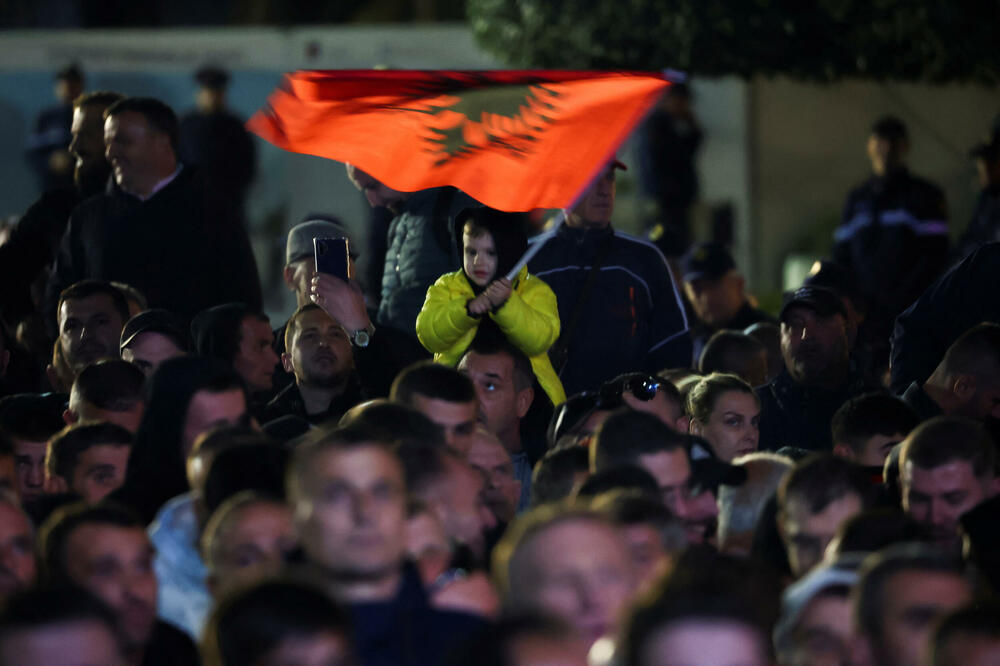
x,y
55,485
843,451
964,387
288,273
69,416
524,399
694,426
286,362
683,423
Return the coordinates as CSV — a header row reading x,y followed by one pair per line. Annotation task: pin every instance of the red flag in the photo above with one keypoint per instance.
x,y
514,140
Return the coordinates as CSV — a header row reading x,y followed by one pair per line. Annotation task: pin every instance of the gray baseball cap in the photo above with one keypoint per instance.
x,y
316,225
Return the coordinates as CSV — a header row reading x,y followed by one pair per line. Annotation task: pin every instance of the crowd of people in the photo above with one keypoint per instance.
x,y
606,456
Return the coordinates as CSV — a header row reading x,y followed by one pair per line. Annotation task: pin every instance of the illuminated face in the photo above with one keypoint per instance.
x,y
87,146
17,551
320,354
253,544
89,330
351,511
503,492
937,498
29,458
733,427
134,150
807,534
501,403
211,409
457,419
705,642
72,643
814,347
99,470
578,571
115,564
479,258
324,648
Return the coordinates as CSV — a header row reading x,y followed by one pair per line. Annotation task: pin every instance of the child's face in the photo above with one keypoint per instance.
x,y
480,260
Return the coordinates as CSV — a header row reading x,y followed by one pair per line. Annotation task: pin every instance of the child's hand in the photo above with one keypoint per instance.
x,y
498,292
479,305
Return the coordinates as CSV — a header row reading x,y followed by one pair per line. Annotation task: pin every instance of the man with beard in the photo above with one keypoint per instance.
x,y
797,407
105,550
34,240
91,314
318,354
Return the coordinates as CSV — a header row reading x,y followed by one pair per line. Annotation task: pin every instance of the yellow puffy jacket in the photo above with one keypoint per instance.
x,y
529,319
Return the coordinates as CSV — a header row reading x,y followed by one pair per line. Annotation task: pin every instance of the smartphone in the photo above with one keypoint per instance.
x,y
332,256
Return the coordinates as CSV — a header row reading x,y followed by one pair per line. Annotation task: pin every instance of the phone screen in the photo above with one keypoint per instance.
x,y
332,256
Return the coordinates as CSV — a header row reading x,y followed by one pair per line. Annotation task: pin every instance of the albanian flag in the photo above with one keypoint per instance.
x,y
514,140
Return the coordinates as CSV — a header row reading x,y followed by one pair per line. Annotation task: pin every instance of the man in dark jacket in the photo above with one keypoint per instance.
x,y
797,407
894,231
985,224
963,297
347,490
319,357
34,240
158,228
715,288
633,318
421,245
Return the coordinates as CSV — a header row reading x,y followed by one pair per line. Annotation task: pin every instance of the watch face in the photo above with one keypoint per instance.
x,y
361,338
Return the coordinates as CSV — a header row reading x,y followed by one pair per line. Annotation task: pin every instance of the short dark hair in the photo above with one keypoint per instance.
x,y
706,392
876,570
619,478
822,478
112,384
945,439
729,351
65,448
132,294
629,508
876,529
489,343
40,607
90,287
251,622
392,422
56,530
101,98
975,352
217,331
704,585
158,115
980,621
554,475
255,467
293,322
861,418
628,434
434,381
891,129
324,440
31,416
424,465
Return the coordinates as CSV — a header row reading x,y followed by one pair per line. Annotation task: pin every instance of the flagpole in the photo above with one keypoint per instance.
x,y
536,244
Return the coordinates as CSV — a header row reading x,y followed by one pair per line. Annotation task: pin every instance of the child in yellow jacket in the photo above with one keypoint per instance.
x,y
525,311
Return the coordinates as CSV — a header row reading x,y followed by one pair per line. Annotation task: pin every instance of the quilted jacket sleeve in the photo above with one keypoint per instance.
x,y
443,319
530,317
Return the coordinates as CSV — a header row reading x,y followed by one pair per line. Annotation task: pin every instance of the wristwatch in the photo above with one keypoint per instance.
x,y
362,337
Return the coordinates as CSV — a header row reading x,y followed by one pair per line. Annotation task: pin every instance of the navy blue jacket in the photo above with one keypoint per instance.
x,y
893,237
406,631
633,319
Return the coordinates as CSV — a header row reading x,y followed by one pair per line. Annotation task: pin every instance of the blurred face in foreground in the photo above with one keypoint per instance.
x,y
705,643
576,570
